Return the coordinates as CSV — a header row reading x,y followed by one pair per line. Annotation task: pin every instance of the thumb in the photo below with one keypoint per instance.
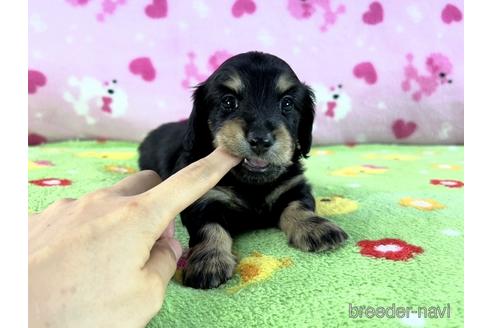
x,y
163,258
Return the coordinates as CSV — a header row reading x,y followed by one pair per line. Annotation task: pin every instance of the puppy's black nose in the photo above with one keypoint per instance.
x,y
260,143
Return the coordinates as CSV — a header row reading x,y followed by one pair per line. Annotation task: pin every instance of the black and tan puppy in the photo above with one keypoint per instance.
x,y
254,106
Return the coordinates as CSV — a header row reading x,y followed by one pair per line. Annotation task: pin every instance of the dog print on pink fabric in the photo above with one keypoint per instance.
x,y
217,59
334,102
451,14
143,67
106,96
76,3
156,9
374,15
108,7
242,7
193,75
305,9
35,80
403,129
438,68
366,71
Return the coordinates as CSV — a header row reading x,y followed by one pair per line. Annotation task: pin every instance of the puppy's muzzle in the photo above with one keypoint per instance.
x,y
260,143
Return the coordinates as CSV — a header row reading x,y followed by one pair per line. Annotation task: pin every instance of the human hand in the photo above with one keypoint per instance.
x,y
105,259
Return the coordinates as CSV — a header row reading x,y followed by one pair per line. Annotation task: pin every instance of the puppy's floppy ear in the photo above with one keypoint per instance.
x,y
198,138
304,133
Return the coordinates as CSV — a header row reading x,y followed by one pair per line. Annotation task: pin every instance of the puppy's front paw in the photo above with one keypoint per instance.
x,y
208,268
316,234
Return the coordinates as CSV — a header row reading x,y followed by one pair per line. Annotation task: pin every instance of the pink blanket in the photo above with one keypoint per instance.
x,y
382,71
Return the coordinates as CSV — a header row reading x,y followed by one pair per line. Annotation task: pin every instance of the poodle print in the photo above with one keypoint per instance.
x,y
106,96
108,7
192,72
335,102
304,9
438,68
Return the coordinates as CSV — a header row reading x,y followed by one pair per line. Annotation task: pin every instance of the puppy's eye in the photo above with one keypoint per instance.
x,y
286,104
229,102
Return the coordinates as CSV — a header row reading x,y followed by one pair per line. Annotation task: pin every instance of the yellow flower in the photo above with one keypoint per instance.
x,y
258,267
120,169
421,203
430,152
322,152
34,165
353,171
116,155
58,150
336,205
392,157
447,167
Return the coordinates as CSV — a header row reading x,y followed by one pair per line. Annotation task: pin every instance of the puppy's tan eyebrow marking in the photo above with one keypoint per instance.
x,y
284,83
234,83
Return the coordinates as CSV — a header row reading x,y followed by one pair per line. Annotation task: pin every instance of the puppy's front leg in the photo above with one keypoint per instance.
x,y
210,262
307,231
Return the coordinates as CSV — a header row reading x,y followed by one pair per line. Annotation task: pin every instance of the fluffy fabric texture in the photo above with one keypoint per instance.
x,y
401,205
117,68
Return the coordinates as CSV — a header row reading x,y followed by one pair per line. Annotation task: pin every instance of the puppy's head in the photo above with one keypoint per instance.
x,y
254,106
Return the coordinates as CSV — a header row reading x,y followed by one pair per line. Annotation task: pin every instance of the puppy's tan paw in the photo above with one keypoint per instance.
x,y
316,234
208,268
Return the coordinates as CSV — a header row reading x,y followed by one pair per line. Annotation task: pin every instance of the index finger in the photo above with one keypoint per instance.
x,y
180,190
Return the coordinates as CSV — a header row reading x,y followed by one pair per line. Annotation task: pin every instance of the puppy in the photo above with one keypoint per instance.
x,y
255,107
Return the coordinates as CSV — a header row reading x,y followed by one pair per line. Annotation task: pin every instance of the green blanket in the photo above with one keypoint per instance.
x,y
401,205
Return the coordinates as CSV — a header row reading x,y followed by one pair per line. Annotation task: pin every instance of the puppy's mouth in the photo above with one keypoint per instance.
x,y
255,165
